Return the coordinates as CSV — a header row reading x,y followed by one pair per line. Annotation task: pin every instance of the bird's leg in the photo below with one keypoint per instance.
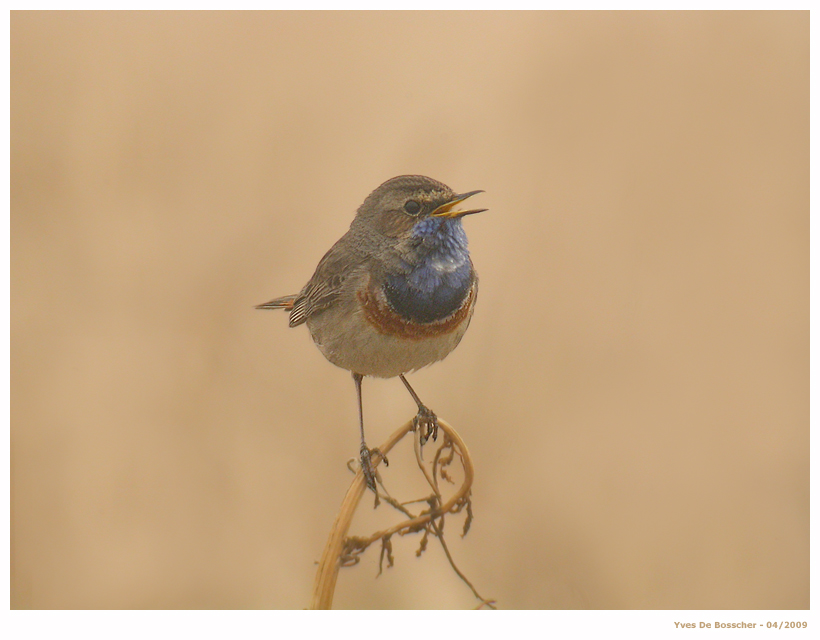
x,y
425,419
365,454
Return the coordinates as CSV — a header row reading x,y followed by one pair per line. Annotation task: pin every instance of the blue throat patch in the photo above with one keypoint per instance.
x,y
436,277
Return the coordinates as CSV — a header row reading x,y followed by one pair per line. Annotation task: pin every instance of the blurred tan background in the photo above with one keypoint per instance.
x,y
634,387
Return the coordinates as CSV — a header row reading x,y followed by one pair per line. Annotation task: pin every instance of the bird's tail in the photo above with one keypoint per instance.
x,y
285,302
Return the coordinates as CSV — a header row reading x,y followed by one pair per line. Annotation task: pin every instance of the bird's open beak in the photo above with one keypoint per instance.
x,y
446,210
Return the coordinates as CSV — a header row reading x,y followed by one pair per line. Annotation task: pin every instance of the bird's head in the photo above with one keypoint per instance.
x,y
407,205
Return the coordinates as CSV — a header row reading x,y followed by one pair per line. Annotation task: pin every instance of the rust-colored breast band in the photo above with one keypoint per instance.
x,y
388,322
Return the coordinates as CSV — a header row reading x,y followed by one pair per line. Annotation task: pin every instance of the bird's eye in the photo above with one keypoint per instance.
x,y
412,207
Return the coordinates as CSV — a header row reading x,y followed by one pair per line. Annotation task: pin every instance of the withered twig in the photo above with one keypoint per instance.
x,y
343,551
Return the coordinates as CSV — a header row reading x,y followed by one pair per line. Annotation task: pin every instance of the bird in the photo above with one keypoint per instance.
x,y
394,294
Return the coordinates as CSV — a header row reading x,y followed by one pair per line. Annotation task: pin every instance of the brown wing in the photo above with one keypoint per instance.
x,y
327,281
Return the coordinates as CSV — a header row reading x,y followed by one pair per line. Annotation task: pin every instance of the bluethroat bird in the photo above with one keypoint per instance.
x,y
395,293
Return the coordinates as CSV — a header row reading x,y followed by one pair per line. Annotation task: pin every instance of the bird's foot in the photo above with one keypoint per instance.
x,y
368,469
426,423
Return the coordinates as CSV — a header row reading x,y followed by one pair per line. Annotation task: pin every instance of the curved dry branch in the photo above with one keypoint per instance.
x,y
341,550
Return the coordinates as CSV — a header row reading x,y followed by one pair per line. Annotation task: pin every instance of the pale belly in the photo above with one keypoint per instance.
x,y
351,338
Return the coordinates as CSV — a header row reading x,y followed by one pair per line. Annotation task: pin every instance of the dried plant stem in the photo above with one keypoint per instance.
x,y
325,583
330,563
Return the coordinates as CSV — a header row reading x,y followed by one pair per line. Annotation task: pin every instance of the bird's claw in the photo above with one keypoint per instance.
x,y
426,423
368,469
